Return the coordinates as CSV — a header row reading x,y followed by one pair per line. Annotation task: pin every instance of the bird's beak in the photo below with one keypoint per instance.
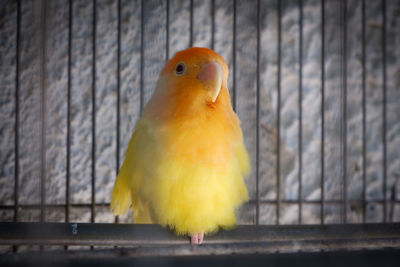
x,y
211,76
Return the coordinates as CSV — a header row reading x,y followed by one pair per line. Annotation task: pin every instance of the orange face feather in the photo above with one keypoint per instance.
x,y
183,101
185,94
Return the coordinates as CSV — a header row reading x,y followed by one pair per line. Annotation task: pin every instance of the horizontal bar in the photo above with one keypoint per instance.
x,y
121,257
242,238
338,201
268,202
54,206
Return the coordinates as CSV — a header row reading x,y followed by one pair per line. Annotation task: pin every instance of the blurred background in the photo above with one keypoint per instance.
x,y
315,83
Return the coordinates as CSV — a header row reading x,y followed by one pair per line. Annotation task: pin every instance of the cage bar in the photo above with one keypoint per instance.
x,y
16,126
278,120
258,115
43,117
118,87
146,257
191,24
300,192
392,203
234,57
322,214
343,66
93,198
142,20
384,108
262,238
167,33
43,78
253,202
212,24
68,141
93,182
364,112
16,136
118,128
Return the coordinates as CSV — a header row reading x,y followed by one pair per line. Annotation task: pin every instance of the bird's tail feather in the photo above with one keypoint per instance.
x,y
121,196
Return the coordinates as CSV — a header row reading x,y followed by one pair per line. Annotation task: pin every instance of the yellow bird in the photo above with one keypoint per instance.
x,y
186,161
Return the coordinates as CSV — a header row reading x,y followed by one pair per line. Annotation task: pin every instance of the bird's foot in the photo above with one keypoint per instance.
x,y
197,238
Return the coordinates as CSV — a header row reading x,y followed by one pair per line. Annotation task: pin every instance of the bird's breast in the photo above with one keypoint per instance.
x,y
199,140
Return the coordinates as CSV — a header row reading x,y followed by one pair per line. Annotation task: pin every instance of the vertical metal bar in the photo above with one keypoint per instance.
x,y
344,105
167,33
364,113
258,115
43,77
384,107
68,147
212,24
93,204
16,140
234,57
142,56
392,202
278,121
68,170
322,112
118,90
191,24
16,129
300,108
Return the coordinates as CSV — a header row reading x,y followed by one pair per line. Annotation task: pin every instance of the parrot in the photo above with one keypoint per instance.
x,y
186,162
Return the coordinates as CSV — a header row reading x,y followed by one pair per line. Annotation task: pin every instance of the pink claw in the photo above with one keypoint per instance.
x,y
197,238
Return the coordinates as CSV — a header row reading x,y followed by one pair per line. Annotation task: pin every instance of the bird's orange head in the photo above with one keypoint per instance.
x,y
193,79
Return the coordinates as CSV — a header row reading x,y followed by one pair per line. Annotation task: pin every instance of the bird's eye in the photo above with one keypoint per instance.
x,y
180,69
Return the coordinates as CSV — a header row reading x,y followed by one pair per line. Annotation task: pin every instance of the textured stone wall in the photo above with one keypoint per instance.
x,y
43,93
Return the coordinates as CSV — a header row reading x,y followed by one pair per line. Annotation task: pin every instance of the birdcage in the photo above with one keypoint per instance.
x,y
314,82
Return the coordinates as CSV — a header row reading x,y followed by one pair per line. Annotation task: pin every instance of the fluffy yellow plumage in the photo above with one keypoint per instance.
x,y
186,160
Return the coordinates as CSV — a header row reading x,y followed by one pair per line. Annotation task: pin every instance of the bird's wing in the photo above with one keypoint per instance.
x,y
127,184
121,198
